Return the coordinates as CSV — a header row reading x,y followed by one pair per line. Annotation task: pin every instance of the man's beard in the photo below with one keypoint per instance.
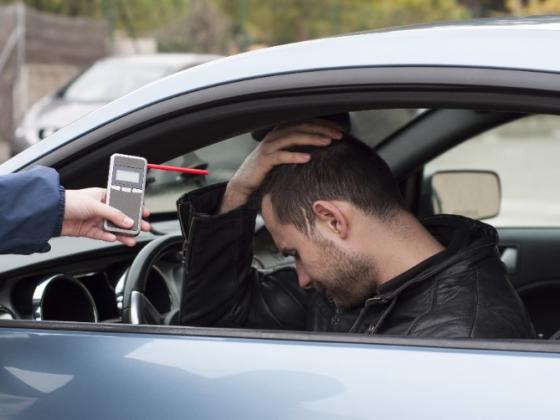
x,y
347,279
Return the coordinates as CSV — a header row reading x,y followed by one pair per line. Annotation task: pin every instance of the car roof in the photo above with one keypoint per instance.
x,y
514,43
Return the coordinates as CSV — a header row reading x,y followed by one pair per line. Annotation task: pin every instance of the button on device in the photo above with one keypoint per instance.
x,y
136,190
126,189
115,187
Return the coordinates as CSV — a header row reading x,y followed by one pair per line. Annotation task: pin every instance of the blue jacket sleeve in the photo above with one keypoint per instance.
x,y
31,210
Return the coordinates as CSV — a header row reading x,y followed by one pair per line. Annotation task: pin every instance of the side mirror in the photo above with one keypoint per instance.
x,y
474,194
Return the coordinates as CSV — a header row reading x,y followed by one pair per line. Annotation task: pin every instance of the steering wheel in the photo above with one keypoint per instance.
x,y
137,308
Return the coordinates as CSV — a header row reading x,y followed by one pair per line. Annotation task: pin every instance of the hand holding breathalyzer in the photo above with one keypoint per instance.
x,y
85,211
125,193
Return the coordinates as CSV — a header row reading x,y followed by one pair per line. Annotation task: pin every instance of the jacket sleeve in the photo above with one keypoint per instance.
x,y
31,210
220,287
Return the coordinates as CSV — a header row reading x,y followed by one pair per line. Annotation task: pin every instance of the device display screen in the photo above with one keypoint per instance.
x,y
128,176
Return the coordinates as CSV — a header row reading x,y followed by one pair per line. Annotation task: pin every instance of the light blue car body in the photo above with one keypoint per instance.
x,y
56,375
94,372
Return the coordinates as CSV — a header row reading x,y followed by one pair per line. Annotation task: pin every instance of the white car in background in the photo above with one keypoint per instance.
x,y
101,83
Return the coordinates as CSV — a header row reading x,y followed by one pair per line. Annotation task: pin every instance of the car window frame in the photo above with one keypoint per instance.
x,y
339,91
408,87
491,345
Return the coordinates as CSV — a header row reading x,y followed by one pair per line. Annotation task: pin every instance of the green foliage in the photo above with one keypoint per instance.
x,y
533,7
260,21
281,21
204,29
135,16
144,16
86,8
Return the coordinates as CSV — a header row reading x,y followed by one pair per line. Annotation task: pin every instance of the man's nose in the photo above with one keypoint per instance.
x,y
304,280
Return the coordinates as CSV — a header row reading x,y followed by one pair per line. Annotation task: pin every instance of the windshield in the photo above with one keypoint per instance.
x,y
109,80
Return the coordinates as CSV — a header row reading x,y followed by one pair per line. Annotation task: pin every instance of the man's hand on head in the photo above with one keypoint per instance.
x,y
85,211
270,152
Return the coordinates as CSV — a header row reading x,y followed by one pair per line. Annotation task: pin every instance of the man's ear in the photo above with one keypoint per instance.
x,y
332,217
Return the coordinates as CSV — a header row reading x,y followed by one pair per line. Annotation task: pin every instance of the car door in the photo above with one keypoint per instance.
x,y
126,372
523,154
67,370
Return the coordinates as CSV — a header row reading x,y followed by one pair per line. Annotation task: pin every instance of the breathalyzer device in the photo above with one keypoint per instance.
x,y
125,190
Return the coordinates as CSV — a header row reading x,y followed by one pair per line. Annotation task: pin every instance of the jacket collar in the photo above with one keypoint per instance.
x,y
467,241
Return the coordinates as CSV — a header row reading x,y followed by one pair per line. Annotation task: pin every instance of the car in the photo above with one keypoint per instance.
x,y
467,107
99,84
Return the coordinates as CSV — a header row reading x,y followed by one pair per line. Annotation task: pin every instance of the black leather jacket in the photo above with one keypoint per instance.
x,y
458,293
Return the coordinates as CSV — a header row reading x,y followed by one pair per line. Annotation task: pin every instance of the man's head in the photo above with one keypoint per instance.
x,y
317,212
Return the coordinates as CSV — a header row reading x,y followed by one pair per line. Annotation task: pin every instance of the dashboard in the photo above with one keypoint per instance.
x,y
83,280
79,279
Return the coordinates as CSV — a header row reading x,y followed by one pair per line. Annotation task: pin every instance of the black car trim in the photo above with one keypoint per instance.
x,y
539,346
200,126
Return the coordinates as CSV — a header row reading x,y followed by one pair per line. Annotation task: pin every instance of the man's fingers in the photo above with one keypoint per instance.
x,y
107,236
96,232
327,123
305,127
126,240
145,226
111,237
275,153
297,139
283,157
97,193
122,220
103,195
116,216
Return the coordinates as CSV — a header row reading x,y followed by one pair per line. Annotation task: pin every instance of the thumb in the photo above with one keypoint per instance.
x,y
113,215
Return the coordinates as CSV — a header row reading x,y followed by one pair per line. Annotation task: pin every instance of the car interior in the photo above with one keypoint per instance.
x,y
447,160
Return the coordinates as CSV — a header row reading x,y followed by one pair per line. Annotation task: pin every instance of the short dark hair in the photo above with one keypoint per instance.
x,y
346,170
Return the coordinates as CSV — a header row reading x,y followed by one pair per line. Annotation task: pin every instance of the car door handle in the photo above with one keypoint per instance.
x,y
510,256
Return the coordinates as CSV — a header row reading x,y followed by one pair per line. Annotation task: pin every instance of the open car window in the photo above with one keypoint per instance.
x,y
104,278
523,154
220,159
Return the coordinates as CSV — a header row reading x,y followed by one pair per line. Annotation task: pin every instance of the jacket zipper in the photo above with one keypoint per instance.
x,y
187,246
181,221
371,301
336,318
373,327
187,235
358,320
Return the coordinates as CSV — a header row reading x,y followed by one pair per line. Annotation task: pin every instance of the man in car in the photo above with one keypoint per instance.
x,y
363,262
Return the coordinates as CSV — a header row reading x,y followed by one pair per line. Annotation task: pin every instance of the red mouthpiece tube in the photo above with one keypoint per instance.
x,y
178,169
